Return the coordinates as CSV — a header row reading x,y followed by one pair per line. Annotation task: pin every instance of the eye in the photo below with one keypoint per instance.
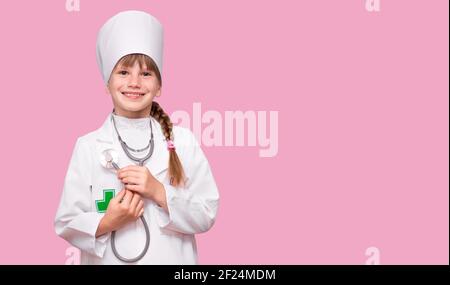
x,y
146,73
123,72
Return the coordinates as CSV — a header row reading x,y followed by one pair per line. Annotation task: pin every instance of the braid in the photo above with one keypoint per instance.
x,y
176,172
163,119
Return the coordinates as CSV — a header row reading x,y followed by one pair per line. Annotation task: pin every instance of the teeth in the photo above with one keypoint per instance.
x,y
132,95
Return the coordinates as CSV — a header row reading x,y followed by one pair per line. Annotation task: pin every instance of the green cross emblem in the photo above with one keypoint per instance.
x,y
102,205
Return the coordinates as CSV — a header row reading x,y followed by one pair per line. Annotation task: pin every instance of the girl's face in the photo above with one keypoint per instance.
x,y
132,90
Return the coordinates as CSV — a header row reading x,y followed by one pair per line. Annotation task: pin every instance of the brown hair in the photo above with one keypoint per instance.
x,y
176,172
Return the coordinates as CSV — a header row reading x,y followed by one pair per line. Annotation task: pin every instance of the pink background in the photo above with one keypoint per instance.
x,y
363,123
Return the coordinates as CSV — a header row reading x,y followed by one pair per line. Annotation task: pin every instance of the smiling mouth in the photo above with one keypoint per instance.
x,y
133,95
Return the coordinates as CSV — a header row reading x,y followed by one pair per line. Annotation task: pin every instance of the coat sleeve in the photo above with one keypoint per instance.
x,y
75,221
193,208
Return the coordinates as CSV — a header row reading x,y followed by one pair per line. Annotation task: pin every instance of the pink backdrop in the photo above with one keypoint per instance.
x,y
361,167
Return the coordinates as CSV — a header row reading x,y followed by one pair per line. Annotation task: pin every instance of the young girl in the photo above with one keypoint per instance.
x,y
138,189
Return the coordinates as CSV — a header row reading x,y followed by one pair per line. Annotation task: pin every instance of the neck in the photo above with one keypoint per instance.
x,y
145,113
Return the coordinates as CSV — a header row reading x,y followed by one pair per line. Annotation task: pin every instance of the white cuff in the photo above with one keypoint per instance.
x,y
164,218
100,243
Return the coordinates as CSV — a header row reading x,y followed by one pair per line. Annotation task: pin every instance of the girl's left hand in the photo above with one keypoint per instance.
x,y
139,179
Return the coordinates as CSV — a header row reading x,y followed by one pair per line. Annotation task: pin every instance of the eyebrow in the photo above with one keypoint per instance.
x,y
123,67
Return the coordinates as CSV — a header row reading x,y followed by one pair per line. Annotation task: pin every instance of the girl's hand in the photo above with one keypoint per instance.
x,y
139,180
124,208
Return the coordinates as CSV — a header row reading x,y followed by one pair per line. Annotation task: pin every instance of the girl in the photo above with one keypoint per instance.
x,y
138,189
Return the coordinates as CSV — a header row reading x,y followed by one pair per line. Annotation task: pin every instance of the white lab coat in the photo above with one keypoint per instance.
x,y
192,209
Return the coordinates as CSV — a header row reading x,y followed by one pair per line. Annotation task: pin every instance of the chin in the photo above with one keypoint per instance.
x,y
135,108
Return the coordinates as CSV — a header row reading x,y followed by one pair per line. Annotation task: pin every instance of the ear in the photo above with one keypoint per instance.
x,y
158,93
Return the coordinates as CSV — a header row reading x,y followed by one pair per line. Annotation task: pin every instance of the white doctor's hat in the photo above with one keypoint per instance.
x,y
126,33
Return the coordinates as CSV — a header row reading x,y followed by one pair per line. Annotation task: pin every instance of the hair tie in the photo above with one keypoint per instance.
x,y
170,145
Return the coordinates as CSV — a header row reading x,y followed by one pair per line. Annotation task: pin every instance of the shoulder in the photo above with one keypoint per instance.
x,y
86,142
187,145
184,137
87,139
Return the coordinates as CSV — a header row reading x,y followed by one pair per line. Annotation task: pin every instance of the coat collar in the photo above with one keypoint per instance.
x,y
106,139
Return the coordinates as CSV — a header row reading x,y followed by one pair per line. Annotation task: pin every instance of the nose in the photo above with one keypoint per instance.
x,y
134,81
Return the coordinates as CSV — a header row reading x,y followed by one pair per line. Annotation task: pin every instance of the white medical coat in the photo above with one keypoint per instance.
x,y
192,208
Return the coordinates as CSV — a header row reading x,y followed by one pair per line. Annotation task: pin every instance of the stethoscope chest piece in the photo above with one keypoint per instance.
x,y
109,158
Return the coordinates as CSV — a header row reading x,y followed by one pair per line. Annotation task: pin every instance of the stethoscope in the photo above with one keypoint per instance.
x,y
109,159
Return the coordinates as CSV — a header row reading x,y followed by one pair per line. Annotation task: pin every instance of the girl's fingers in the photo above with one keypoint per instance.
x,y
140,206
134,201
131,167
127,198
131,180
120,195
126,173
134,188
138,211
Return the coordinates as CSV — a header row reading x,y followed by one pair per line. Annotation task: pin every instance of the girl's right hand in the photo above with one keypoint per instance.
x,y
126,207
